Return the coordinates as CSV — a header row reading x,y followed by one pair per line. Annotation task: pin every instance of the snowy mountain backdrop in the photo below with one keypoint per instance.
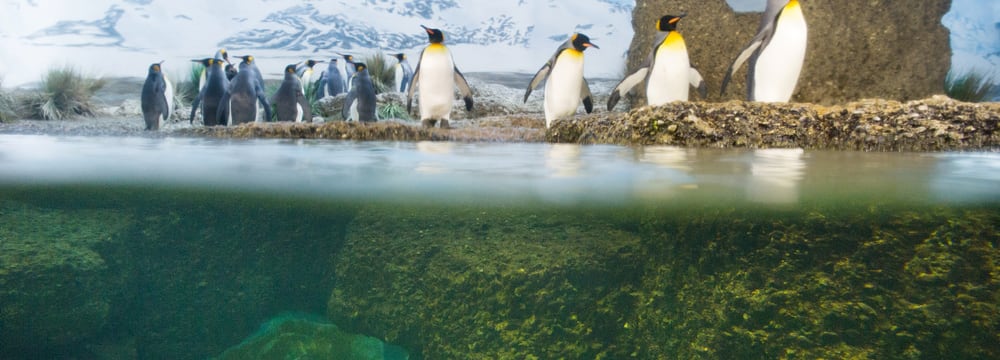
x,y
121,37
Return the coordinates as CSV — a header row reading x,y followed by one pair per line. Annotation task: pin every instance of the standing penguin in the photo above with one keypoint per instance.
x,y
566,86
216,86
331,82
403,72
221,54
289,101
362,91
305,72
240,102
349,69
667,70
437,76
157,97
776,53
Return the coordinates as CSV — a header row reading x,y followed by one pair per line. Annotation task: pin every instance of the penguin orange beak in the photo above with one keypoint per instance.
x,y
589,44
428,30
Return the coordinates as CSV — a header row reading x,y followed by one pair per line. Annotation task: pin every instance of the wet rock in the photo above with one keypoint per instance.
x,y
56,289
857,49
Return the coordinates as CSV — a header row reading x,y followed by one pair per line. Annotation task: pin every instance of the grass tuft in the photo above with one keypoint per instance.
x,y
393,111
972,86
65,93
187,88
382,71
8,107
310,92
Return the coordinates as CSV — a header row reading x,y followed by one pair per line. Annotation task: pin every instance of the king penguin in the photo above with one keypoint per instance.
x,y
566,86
305,72
403,72
331,82
667,70
220,54
240,102
349,69
437,76
362,91
157,97
289,101
216,86
776,53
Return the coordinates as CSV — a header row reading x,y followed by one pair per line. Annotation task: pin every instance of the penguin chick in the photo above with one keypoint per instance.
x,y
566,87
157,97
437,76
667,71
362,91
776,53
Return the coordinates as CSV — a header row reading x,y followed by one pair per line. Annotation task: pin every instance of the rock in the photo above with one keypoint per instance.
x,y
289,337
56,290
857,49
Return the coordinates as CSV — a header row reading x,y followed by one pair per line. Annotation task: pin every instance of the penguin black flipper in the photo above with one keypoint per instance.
x,y
323,83
540,76
698,82
413,82
626,85
195,103
349,101
588,98
464,89
759,42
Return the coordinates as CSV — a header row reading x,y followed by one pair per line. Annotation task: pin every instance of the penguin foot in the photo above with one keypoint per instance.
x,y
428,123
444,124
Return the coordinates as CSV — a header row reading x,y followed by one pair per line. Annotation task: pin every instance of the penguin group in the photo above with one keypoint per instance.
x,y
228,95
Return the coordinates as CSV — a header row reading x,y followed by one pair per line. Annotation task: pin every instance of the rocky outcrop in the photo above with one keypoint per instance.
x,y
857,49
933,124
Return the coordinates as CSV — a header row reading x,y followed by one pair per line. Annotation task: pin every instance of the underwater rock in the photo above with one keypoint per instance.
x,y
856,49
56,290
292,337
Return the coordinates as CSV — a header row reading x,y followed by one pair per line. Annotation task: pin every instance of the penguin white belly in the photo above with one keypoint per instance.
x,y
437,84
668,79
398,77
563,87
168,93
777,69
298,113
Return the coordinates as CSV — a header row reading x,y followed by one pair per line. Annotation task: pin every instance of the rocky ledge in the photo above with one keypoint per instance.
x,y
934,124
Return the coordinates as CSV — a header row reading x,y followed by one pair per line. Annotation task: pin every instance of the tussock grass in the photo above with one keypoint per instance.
x,y
310,92
392,111
187,88
65,93
382,71
8,107
971,86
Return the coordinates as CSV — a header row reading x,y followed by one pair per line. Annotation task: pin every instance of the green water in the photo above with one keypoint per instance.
x,y
824,259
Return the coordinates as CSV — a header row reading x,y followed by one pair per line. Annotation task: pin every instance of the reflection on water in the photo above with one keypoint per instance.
x,y
775,175
447,171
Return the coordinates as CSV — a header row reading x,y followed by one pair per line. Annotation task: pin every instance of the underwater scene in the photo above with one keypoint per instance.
x,y
192,248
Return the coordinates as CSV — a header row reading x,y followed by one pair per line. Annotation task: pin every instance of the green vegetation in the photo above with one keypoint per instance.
x,y
972,86
392,111
65,93
187,89
310,91
8,107
381,70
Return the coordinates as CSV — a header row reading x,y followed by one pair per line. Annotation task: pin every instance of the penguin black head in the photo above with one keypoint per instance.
x,y
246,58
360,67
581,42
206,61
333,60
400,56
348,57
435,36
311,63
669,22
290,69
155,68
222,55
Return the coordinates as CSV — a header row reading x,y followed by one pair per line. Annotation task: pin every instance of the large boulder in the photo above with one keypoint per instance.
x,y
857,49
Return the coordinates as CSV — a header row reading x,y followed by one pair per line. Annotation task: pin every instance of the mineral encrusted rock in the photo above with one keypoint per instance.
x,y
857,49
